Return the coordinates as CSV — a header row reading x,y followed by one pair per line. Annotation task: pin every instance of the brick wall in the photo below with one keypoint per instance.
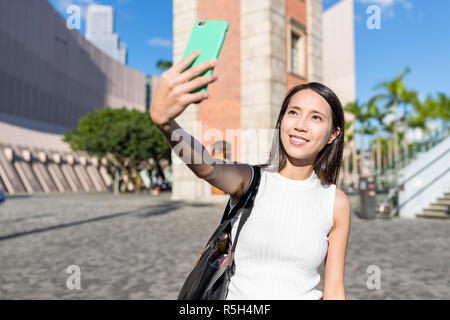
x,y
223,108
296,9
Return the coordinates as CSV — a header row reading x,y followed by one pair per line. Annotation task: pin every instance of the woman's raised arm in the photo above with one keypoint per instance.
x,y
171,98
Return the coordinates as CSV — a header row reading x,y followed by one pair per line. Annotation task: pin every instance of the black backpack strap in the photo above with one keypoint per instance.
x,y
247,208
229,214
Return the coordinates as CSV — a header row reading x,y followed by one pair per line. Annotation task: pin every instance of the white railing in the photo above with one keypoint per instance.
x,y
424,180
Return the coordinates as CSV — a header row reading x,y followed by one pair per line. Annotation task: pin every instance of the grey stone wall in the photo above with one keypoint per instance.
x,y
263,73
52,74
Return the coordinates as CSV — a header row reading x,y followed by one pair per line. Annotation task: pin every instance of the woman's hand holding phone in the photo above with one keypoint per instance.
x,y
173,95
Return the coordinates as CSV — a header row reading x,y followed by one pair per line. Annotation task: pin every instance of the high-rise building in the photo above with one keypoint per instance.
x,y
50,76
100,31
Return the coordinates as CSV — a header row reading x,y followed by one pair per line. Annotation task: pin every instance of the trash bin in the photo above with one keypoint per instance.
x,y
367,195
2,197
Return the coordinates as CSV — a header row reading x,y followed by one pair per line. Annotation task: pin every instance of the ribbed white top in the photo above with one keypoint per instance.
x,y
284,240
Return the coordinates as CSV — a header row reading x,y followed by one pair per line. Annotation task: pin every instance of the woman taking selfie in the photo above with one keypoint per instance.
x,y
299,218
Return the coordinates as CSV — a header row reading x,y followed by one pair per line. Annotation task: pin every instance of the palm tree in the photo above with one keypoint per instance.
x,y
369,130
422,112
362,113
355,109
408,97
444,110
378,116
444,106
394,94
163,64
431,108
439,108
348,151
384,152
382,156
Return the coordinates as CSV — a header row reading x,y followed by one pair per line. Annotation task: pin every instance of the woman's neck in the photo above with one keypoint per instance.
x,y
296,172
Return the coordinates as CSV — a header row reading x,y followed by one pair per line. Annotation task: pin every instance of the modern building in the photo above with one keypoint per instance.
x,y
339,67
50,76
271,46
100,26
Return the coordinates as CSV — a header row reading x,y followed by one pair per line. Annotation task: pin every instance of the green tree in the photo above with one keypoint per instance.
x,y
443,109
394,94
378,116
435,108
353,107
348,150
163,64
363,114
127,138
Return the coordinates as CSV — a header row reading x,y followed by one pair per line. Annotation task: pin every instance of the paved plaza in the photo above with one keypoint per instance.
x,y
143,247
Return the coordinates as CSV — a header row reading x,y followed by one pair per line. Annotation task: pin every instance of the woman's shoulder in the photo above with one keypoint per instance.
x,y
342,207
341,198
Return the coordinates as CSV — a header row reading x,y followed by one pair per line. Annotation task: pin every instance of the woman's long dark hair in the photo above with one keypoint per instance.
x,y
328,162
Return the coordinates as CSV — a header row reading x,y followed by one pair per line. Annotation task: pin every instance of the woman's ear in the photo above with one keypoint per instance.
x,y
334,135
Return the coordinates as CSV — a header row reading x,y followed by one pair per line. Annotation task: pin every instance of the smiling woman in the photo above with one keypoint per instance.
x,y
311,117
298,220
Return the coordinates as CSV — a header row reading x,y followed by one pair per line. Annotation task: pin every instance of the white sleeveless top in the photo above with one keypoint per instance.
x,y
284,240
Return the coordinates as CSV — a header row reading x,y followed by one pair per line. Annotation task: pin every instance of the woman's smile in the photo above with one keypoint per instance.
x,y
296,141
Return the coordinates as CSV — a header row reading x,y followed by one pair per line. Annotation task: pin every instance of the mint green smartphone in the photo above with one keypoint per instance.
x,y
208,37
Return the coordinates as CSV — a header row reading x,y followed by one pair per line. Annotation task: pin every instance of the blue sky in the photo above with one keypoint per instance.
x,y
144,25
414,33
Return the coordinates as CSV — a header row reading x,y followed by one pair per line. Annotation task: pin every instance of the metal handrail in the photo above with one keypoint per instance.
x,y
385,209
436,137
391,171
440,176
393,210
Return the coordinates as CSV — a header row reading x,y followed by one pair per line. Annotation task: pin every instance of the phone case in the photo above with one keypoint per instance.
x,y
208,37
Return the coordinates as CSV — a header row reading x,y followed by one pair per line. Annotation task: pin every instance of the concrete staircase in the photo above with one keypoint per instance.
x,y
440,209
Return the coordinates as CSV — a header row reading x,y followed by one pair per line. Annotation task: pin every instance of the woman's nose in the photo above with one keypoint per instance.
x,y
302,124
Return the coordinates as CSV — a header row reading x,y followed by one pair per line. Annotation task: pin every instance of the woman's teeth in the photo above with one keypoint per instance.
x,y
298,140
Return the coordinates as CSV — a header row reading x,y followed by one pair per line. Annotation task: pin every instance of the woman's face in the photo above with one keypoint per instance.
x,y
307,126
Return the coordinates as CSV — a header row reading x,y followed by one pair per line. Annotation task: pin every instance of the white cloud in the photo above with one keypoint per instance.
x,y
159,42
389,118
388,3
62,5
383,3
387,6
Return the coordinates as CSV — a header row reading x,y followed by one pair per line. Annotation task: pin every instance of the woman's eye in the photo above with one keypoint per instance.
x,y
317,117
292,111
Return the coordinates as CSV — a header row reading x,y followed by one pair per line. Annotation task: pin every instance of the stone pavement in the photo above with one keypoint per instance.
x,y
144,246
